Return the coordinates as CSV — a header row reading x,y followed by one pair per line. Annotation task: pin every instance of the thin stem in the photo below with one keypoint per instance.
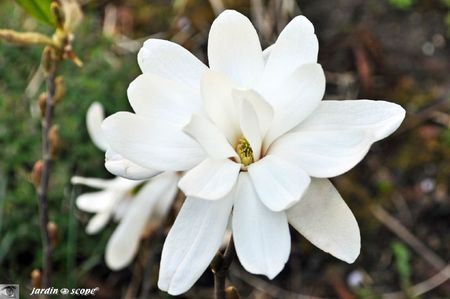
x,y
220,274
45,179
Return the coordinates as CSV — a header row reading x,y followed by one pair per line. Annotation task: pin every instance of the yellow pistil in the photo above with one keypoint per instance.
x,y
244,151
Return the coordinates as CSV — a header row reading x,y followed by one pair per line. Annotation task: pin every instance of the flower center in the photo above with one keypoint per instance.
x,y
244,151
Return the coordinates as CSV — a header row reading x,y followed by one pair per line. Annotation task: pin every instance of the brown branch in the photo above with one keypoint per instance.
x,y
45,179
220,266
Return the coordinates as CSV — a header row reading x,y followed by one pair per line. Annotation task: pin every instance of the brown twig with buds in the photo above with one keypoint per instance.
x,y
220,266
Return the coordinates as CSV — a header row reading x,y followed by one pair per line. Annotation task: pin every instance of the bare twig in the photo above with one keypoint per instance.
x,y
220,269
45,179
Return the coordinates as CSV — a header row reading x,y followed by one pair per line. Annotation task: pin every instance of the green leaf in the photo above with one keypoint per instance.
x,y
39,9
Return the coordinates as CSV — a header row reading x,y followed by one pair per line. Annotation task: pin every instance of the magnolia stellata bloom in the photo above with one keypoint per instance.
x,y
120,199
257,144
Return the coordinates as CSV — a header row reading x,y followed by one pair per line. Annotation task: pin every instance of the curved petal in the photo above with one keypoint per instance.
x,y
156,97
261,236
212,140
323,154
95,202
122,167
192,242
263,109
296,45
94,118
92,182
296,98
278,184
325,220
219,105
380,118
98,222
234,48
124,242
250,127
172,61
151,143
211,179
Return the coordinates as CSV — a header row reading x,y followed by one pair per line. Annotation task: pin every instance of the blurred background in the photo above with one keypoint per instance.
x,y
396,50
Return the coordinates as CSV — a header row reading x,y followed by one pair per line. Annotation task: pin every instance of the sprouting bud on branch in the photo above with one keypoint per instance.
x,y
36,278
25,38
60,89
53,233
42,102
58,12
36,173
55,141
48,58
231,293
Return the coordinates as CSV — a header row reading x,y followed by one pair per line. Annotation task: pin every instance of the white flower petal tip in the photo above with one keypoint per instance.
x,y
243,62
119,166
94,118
98,222
261,236
192,242
325,220
279,184
211,179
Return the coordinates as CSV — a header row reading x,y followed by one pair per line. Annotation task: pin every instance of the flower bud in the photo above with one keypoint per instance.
x,y
53,233
25,38
36,173
58,12
60,89
42,102
36,278
48,58
55,141
231,293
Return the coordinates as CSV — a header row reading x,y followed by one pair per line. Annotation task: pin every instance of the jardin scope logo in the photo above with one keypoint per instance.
x,y
9,291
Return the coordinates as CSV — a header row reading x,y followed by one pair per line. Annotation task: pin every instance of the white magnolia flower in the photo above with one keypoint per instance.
x,y
256,142
119,199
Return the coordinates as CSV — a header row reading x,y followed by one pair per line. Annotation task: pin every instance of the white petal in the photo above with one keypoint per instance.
x,y
261,236
94,118
122,167
172,61
151,143
296,45
250,127
156,97
124,242
326,221
211,179
98,222
234,48
296,98
212,140
100,201
92,182
279,184
263,109
219,104
380,118
165,201
192,242
323,154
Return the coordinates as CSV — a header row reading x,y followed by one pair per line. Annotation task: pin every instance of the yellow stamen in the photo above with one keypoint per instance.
x,y
244,151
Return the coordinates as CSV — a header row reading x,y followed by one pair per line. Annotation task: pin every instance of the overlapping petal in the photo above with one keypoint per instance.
x,y
192,242
170,60
326,221
94,118
155,143
296,45
122,167
278,184
123,244
211,179
234,48
261,236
